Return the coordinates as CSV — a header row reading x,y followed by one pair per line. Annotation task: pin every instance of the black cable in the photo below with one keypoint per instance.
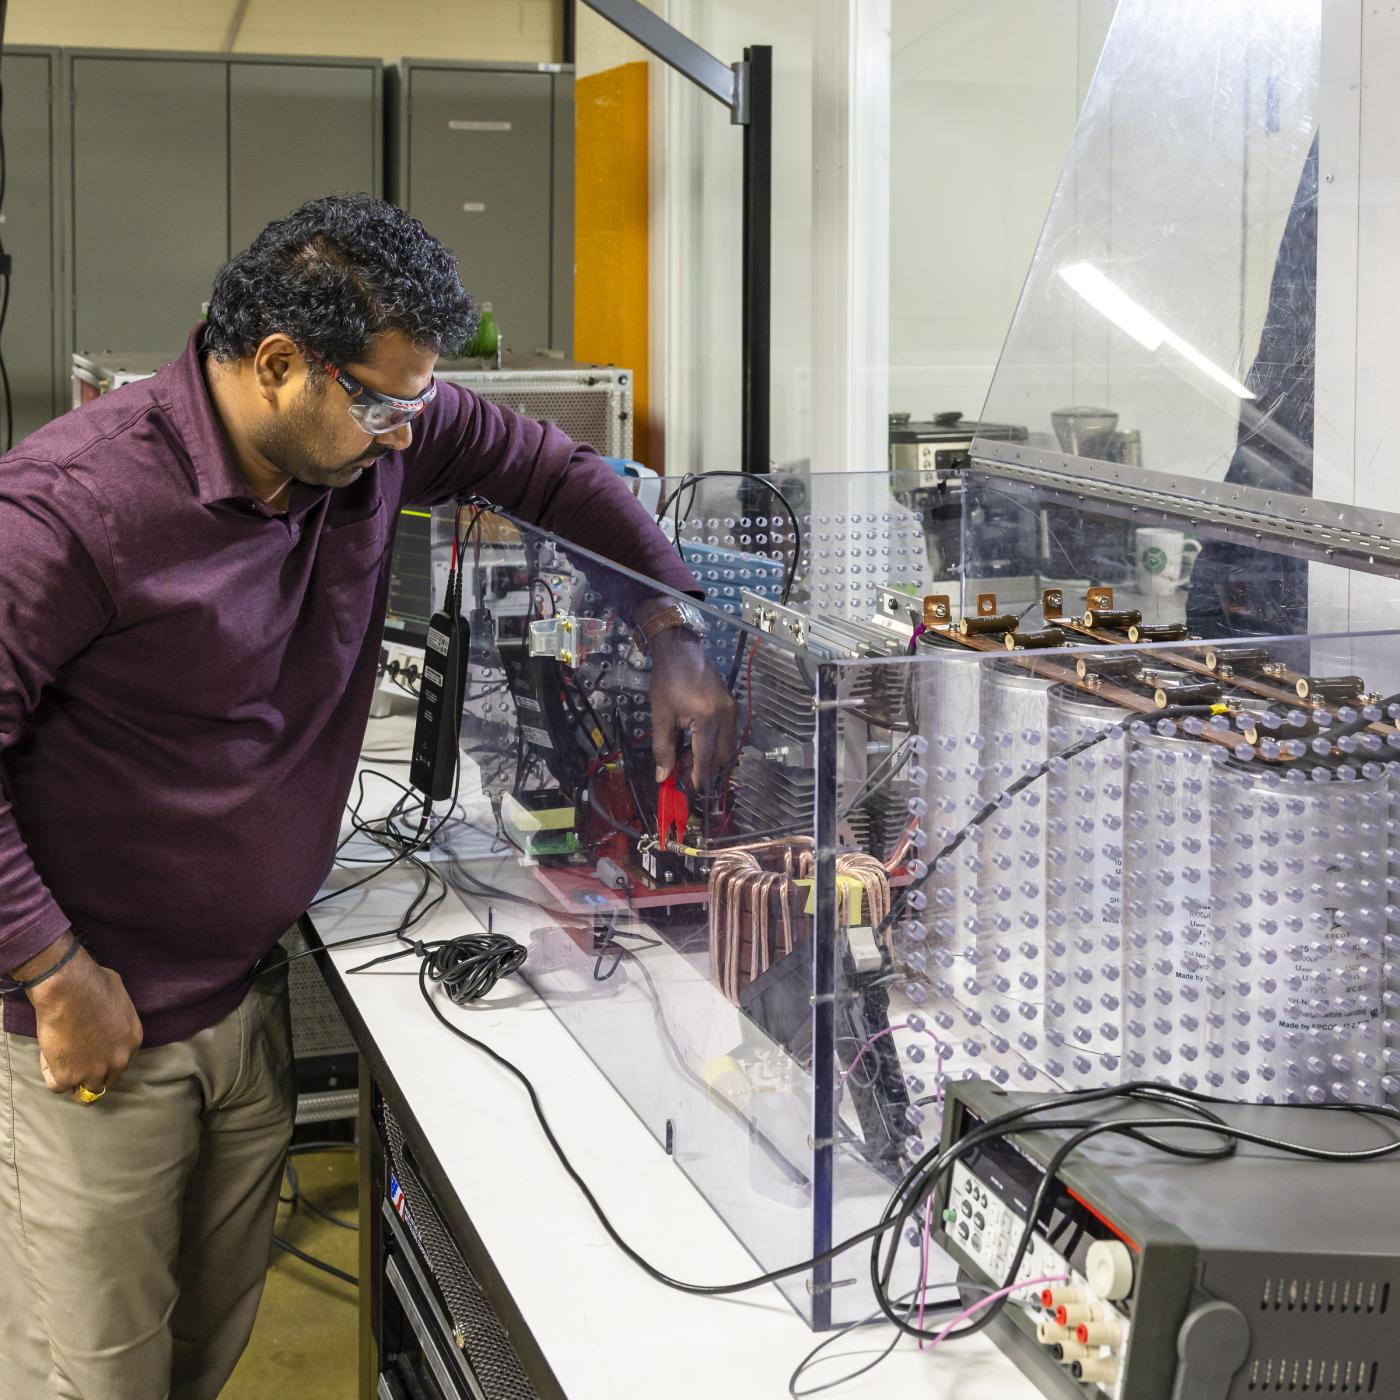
x,y
894,761
922,1179
299,1199
401,928
296,1191
315,1263
679,1285
616,743
693,480
992,805
815,1355
1344,731
422,841
591,797
468,967
924,1175
307,1203
408,848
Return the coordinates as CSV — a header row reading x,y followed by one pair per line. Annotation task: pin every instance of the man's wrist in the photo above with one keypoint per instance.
x,y
45,958
671,638
47,977
658,616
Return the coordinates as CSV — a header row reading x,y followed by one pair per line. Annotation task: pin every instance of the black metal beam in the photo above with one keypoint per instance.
x,y
746,89
674,49
757,309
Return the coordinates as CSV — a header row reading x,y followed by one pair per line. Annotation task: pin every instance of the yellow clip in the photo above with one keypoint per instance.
x,y
1220,709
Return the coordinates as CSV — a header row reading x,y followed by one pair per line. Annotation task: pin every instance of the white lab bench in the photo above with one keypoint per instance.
x,y
583,1320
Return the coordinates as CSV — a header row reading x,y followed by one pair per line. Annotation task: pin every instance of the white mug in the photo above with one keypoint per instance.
x,y
1164,559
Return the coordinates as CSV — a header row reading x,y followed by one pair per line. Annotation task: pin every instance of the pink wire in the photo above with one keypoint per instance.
x,y
937,1068
928,1203
984,1302
923,1267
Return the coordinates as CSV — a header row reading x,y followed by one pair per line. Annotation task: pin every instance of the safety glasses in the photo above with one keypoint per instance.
x,y
374,412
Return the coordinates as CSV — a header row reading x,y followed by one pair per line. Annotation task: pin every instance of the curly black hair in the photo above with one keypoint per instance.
x,y
332,275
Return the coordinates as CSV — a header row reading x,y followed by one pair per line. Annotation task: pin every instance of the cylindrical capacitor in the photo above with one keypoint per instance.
x,y
1031,641
947,693
1329,688
1186,692
1301,918
1011,883
1163,632
1390,968
1084,892
1241,660
979,626
1170,987
1118,619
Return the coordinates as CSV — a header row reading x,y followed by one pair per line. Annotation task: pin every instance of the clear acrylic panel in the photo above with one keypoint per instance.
x,y
1168,324
1032,787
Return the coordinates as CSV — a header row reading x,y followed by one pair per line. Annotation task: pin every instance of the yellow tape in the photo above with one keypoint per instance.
x,y
849,885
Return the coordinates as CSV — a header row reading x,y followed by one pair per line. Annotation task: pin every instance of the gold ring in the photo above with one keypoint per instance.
x,y
87,1096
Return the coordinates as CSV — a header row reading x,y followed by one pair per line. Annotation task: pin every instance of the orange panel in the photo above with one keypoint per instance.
x,y
611,232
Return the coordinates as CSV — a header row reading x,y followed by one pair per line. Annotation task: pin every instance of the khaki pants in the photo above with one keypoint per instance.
x,y
135,1232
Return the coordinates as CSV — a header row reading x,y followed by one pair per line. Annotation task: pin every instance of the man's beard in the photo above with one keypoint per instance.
x,y
288,442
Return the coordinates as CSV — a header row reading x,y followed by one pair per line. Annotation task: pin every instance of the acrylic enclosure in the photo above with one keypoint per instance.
x,y
1054,866
1072,763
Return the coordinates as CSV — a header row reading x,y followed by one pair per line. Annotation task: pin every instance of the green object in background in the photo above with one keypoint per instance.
x,y
487,339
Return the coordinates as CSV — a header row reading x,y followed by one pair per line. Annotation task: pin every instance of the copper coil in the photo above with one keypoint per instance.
x,y
758,906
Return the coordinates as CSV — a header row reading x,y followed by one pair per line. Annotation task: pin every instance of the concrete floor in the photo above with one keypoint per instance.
x,y
304,1341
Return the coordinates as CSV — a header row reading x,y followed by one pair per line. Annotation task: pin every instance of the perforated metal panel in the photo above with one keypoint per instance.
x,y
589,403
477,1331
317,1026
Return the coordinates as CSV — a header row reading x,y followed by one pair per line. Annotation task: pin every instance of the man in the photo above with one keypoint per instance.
x,y
193,571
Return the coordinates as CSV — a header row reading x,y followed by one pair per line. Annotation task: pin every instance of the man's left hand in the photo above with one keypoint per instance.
x,y
687,694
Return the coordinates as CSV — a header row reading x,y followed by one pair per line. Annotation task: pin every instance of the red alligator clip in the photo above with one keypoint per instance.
x,y
672,811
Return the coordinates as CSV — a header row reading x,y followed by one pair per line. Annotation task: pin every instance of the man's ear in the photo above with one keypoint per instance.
x,y
276,363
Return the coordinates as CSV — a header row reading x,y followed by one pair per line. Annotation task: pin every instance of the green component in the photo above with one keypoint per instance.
x,y
487,338
949,1217
559,843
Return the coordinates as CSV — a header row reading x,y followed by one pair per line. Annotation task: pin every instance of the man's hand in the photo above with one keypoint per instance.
x,y
687,694
88,1028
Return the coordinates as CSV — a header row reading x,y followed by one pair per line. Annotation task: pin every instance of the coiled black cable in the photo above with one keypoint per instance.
x,y
468,967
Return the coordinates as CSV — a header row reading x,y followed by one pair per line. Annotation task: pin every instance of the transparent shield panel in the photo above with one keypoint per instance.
x,y
1033,787
1168,322
667,928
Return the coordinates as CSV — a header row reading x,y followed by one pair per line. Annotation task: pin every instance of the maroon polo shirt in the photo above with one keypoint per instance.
x,y
185,675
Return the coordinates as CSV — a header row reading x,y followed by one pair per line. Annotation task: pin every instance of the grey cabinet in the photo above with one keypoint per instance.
x,y
297,130
484,158
177,161
32,342
150,198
